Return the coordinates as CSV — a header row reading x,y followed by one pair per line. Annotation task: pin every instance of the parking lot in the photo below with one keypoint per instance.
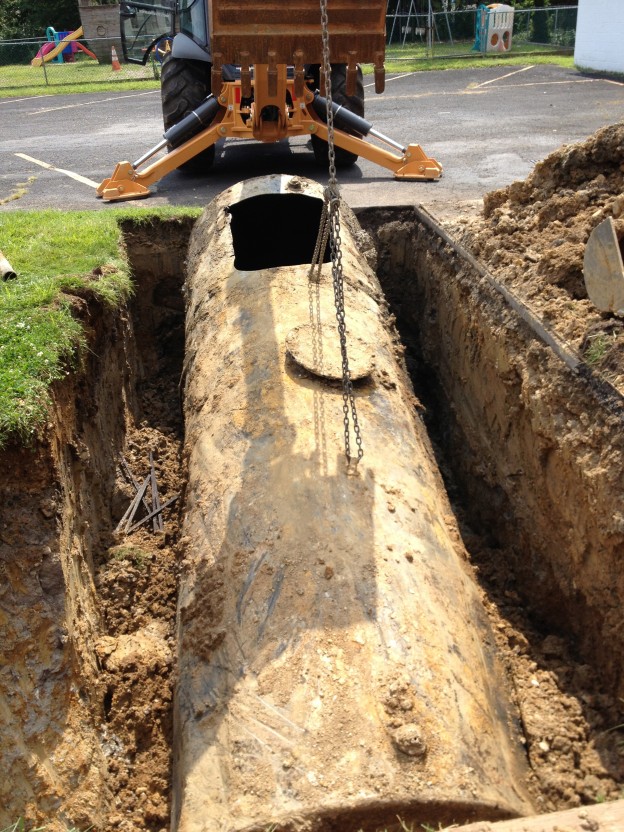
x,y
487,127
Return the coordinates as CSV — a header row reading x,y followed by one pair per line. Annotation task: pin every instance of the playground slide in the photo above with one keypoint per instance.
x,y
56,50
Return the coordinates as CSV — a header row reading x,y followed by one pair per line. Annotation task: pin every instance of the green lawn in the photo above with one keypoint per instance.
x,y
54,254
459,55
86,75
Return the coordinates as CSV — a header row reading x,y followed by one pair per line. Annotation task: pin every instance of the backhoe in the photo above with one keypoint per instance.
x,y
252,69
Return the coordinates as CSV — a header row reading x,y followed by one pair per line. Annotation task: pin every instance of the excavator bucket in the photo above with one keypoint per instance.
x,y
356,28
265,32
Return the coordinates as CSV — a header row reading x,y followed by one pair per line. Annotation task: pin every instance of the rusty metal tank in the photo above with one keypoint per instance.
x,y
336,667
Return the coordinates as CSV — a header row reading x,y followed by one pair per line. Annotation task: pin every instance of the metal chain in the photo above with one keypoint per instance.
x,y
331,209
321,244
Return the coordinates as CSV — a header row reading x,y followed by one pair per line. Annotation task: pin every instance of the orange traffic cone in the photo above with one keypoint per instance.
x,y
115,60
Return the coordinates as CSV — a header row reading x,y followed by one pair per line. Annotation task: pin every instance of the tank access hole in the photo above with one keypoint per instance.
x,y
275,230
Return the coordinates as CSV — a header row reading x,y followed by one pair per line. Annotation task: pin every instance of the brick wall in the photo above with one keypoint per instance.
x,y
101,25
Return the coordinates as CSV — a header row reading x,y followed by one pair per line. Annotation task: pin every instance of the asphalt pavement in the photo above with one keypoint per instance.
x,y
486,126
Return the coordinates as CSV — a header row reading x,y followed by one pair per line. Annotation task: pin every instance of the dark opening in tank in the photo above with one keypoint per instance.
x,y
275,230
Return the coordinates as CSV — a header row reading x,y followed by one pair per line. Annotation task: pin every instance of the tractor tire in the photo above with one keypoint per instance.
x,y
354,103
183,85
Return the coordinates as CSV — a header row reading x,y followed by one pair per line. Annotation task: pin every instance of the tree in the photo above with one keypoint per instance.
x,y
30,18
539,23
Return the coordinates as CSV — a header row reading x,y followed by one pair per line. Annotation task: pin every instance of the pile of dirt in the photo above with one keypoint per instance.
x,y
532,235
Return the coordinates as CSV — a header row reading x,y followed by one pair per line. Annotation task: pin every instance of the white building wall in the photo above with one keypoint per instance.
x,y
600,35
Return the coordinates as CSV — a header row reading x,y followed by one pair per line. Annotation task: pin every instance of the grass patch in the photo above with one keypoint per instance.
x,y
131,554
414,58
479,62
82,76
598,346
56,254
20,190
19,826
85,76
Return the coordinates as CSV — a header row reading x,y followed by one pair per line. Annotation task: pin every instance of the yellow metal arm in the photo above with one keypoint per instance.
x,y
234,120
413,164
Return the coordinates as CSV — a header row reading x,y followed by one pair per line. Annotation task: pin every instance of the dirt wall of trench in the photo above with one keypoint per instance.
x,y
53,498
536,448
536,451
86,615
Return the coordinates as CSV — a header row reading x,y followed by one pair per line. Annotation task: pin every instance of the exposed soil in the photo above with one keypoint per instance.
x,y
568,702
574,747
136,576
88,615
532,235
524,446
136,582
531,459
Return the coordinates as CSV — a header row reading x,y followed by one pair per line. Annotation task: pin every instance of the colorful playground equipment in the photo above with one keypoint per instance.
x,y
494,28
61,46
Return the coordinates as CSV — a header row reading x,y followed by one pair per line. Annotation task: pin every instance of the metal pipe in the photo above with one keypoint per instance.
x,y
351,122
185,129
6,269
343,119
387,140
160,146
192,123
335,665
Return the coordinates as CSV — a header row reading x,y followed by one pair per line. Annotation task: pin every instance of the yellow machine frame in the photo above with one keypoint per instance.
x,y
234,119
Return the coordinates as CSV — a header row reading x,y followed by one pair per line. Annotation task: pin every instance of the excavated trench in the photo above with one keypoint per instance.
x,y
530,452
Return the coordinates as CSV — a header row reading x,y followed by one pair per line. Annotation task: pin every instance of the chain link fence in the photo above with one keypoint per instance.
x,y
410,36
462,33
35,63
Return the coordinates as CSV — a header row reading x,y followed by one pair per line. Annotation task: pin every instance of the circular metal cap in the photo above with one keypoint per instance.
x,y
317,349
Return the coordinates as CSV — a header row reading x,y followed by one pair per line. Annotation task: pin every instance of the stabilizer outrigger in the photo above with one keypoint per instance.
x,y
278,107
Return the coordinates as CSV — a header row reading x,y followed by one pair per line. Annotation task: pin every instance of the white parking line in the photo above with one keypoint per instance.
x,y
554,83
394,78
27,98
508,75
69,173
91,103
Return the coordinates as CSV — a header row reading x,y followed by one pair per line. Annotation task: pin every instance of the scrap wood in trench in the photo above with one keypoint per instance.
x,y
139,497
153,514
157,522
336,666
128,524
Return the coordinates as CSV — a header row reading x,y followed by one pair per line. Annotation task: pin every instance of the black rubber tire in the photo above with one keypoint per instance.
x,y
354,103
183,85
